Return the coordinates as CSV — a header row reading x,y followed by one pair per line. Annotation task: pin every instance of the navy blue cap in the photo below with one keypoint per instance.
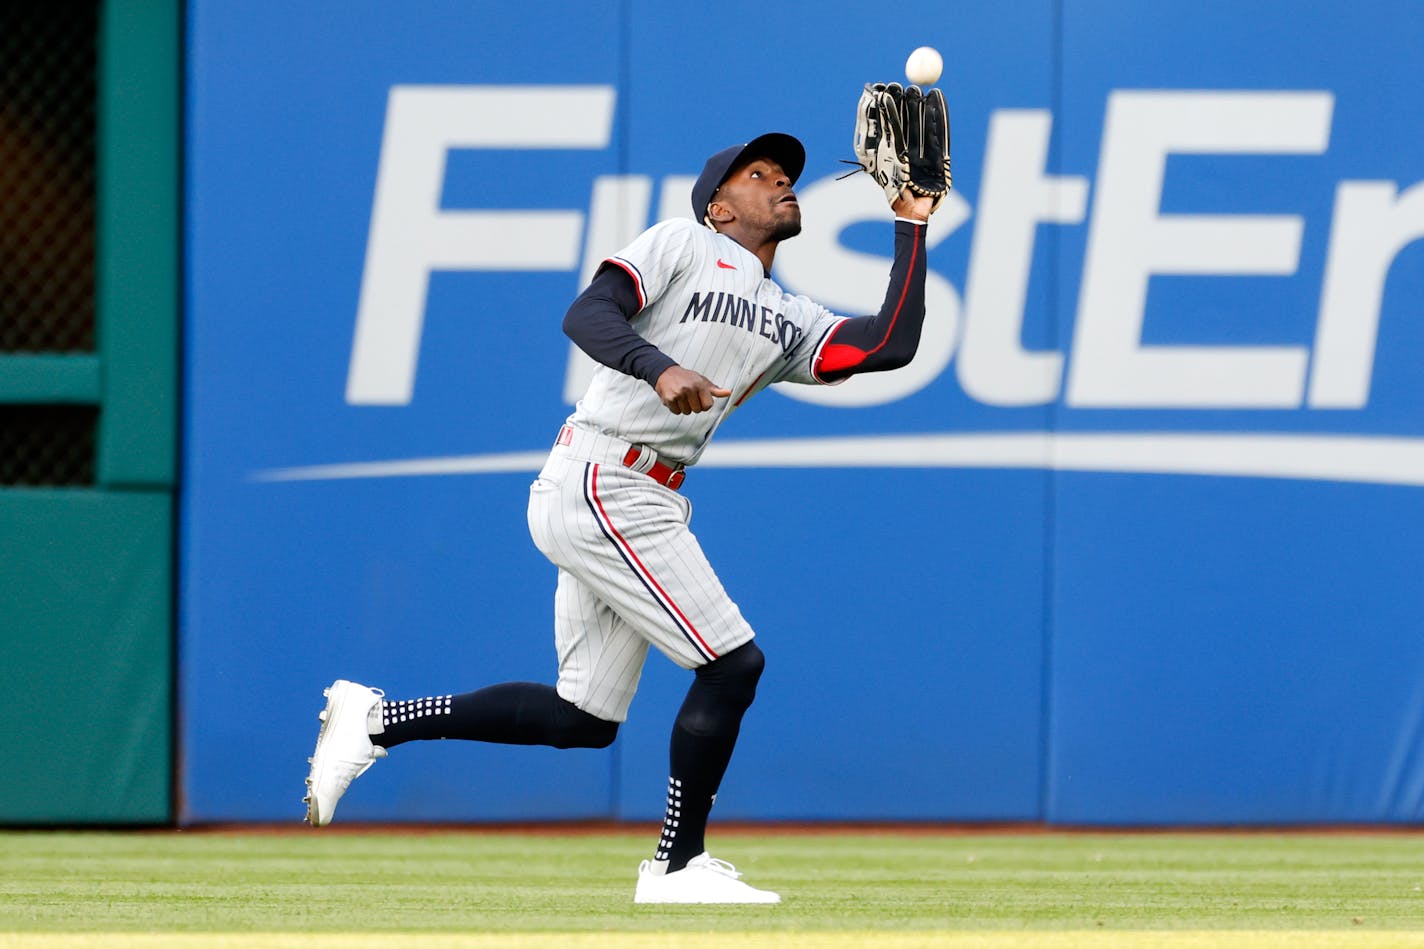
x,y
781,148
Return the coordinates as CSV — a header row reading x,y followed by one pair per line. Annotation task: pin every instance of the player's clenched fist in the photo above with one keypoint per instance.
x,y
684,391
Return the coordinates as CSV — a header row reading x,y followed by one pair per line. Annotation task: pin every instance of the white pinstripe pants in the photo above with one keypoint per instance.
x,y
631,573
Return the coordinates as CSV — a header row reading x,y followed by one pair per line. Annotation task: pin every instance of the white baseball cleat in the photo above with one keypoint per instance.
x,y
705,879
343,748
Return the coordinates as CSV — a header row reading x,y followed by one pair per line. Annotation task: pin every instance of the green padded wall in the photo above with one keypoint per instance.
x,y
137,220
84,620
86,573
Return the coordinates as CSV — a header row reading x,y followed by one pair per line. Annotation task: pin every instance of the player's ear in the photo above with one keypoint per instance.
x,y
720,213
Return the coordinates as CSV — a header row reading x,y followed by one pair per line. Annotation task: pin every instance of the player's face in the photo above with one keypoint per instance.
x,y
759,194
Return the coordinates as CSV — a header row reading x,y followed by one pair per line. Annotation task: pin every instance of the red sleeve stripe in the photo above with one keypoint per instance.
x,y
837,357
820,348
631,271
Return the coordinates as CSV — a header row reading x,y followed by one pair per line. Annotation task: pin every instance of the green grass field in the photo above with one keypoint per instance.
x,y
468,888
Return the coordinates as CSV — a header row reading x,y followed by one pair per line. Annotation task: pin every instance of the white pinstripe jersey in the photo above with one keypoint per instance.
x,y
707,304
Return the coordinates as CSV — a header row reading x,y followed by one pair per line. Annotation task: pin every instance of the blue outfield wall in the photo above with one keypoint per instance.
x,y
1135,540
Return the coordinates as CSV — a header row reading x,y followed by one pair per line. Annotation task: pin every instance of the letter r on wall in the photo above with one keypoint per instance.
x,y
411,236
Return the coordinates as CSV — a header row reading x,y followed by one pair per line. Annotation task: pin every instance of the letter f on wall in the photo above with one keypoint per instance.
x,y
410,234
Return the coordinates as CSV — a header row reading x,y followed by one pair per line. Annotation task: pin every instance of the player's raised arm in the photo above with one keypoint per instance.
x,y
902,141
889,338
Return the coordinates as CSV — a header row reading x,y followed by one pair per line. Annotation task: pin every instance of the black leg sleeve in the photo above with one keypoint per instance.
x,y
703,737
513,713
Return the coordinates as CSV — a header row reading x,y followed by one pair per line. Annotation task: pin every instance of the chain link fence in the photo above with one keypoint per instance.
x,y
48,61
51,445
48,88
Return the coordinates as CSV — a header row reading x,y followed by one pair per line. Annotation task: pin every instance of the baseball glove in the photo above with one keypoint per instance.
x,y
902,140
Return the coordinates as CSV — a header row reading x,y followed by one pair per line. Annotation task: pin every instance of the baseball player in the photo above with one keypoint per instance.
x,y
687,325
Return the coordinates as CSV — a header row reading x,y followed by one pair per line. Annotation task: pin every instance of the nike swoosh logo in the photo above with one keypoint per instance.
x,y
724,265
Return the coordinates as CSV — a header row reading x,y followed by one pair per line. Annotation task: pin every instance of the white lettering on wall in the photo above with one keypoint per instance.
x,y
1130,240
411,235
1015,197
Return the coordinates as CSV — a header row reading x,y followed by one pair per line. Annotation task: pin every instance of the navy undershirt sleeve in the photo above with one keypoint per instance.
x,y
888,339
597,322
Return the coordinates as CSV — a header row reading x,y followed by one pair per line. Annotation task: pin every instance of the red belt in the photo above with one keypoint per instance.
x,y
600,447
666,475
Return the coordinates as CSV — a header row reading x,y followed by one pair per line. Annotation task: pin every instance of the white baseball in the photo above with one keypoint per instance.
x,y
924,66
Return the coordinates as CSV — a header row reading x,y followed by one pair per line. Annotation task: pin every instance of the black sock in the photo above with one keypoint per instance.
x,y
513,713
698,763
703,737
